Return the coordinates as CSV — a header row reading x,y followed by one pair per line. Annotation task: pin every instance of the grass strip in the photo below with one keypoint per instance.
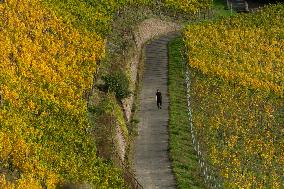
x,y
183,156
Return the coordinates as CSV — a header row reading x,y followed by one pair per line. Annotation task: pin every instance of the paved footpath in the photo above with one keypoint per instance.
x,y
151,158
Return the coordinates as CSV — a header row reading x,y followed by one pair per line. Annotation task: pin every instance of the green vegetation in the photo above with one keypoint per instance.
x,y
98,16
245,49
188,6
221,9
237,96
239,131
106,115
118,83
46,70
183,155
93,16
51,50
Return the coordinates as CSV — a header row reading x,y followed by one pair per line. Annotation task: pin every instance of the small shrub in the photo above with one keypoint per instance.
x,y
118,83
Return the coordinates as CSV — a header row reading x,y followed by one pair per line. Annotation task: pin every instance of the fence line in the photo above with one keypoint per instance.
x,y
240,6
207,171
128,174
209,175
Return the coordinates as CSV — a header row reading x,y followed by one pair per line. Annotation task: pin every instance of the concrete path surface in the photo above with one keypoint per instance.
x,y
151,158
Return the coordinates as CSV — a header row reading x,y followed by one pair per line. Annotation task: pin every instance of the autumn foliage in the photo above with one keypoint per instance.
x,y
46,68
237,96
188,6
246,49
49,54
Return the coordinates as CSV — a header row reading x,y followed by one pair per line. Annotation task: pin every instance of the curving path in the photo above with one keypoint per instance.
x,y
151,157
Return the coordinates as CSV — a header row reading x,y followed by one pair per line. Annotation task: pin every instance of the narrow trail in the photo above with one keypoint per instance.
x,y
151,156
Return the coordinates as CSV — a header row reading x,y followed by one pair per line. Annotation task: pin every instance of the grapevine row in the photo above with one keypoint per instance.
x,y
46,67
237,96
50,51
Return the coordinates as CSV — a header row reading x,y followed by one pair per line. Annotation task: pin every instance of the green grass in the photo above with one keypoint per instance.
x,y
183,156
220,8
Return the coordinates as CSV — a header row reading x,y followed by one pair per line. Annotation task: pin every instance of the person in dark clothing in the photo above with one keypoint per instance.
x,y
159,99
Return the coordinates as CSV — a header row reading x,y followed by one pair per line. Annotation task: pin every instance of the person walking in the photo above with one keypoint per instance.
x,y
159,99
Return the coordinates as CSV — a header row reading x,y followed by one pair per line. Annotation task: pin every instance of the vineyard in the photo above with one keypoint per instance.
x,y
188,6
236,96
46,69
247,50
50,52
98,15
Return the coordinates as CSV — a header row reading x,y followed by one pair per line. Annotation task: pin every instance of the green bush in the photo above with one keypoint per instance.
x,y
118,83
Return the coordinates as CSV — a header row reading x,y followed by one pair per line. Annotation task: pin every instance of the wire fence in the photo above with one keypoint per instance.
x,y
211,179
239,6
210,176
130,177
128,174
